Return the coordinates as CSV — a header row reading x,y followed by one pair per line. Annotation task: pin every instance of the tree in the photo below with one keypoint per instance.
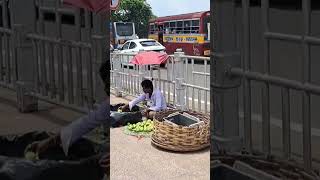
x,y
136,11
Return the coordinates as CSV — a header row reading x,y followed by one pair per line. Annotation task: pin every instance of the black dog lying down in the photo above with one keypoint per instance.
x,y
123,118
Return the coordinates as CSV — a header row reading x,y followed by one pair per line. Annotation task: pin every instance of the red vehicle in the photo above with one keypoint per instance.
x,y
189,32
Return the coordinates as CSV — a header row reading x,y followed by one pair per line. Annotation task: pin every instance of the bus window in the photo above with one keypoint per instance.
x,y
166,25
160,28
151,29
180,27
167,31
166,28
186,25
179,31
156,28
195,30
173,24
195,26
195,23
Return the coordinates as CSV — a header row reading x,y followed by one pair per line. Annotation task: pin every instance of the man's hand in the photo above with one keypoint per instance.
x,y
145,113
41,146
38,146
125,108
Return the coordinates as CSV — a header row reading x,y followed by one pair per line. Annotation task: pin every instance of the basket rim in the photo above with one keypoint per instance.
x,y
179,148
203,117
180,126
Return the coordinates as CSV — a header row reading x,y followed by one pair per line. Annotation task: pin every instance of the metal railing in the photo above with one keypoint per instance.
x,y
8,64
245,93
51,60
187,75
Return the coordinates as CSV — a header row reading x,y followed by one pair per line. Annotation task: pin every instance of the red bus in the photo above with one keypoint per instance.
x,y
189,32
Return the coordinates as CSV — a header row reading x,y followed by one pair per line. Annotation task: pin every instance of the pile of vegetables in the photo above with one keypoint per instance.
x,y
144,126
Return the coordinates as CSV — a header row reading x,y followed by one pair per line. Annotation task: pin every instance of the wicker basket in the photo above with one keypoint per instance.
x,y
180,138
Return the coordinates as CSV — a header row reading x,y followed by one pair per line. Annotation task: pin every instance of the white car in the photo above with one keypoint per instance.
x,y
136,45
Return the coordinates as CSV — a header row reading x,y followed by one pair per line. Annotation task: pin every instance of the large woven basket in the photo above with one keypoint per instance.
x,y
180,138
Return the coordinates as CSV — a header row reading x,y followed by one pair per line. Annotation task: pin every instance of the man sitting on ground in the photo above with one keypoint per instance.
x,y
155,97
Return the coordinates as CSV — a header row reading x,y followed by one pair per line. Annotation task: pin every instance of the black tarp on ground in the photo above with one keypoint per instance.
x,y
123,118
81,164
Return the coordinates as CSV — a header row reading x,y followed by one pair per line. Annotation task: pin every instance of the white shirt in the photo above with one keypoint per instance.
x,y
75,130
157,101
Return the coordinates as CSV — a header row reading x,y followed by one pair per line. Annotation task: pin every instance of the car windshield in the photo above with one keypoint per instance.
x,y
149,43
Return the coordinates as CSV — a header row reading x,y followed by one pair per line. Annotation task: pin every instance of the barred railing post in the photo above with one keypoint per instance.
x,y
100,35
224,89
141,72
141,77
116,74
23,53
26,76
179,78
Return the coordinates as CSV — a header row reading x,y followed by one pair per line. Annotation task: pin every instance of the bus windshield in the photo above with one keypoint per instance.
x,y
124,29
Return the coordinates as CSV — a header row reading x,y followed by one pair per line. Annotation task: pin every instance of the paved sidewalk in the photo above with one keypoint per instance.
x,y
133,159
48,118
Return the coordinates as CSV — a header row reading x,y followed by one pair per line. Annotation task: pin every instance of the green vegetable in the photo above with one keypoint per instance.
x,y
144,126
31,156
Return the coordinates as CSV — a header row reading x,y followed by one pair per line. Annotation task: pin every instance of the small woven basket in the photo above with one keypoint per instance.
x,y
180,138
